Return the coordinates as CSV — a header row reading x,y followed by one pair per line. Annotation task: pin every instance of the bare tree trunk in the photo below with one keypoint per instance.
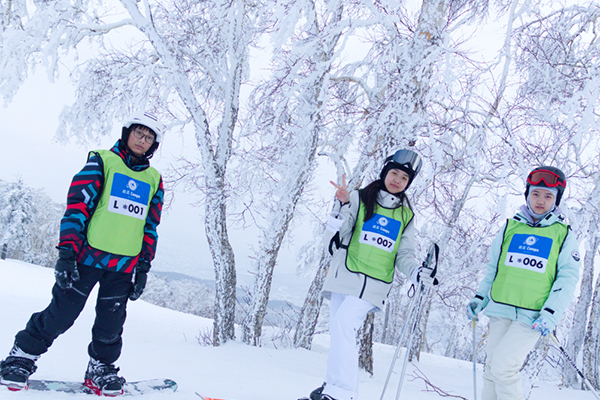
x,y
365,339
420,330
214,159
291,192
271,243
309,315
267,257
451,348
577,334
395,313
428,35
386,323
591,347
533,364
575,341
224,264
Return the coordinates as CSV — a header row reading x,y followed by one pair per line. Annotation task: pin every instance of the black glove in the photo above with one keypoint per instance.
x,y
65,271
139,283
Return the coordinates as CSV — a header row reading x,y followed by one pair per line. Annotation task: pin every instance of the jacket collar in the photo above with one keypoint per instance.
x,y
388,200
553,217
134,163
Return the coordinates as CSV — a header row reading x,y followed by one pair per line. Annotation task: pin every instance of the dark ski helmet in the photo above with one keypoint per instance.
x,y
547,176
149,121
405,160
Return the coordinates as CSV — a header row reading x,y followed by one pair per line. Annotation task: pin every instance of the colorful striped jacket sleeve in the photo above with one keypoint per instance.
x,y
82,200
152,221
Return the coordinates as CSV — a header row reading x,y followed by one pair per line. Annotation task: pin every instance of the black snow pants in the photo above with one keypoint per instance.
x,y
66,305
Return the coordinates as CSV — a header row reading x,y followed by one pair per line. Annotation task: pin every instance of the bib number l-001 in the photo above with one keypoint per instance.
x,y
129,196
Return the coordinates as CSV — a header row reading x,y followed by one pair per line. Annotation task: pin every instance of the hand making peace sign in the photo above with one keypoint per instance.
x,y
342,193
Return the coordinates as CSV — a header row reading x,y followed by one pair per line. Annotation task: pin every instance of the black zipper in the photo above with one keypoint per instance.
x,y
362,291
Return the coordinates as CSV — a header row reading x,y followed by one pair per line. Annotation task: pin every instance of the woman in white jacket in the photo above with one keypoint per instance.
x,y
374,231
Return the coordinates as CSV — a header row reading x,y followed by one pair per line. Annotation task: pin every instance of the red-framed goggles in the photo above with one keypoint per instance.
x,y
548,177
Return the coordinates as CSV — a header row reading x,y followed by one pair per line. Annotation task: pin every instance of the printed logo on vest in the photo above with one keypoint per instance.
x,y
381,232
529,252
129,196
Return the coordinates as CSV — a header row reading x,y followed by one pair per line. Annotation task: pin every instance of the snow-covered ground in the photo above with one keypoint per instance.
x,y
160,343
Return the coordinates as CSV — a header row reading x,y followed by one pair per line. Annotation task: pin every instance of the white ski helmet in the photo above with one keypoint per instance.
x,y
148,120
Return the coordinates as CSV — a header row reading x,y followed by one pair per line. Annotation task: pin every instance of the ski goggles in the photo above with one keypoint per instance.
x,y
548,177
408,159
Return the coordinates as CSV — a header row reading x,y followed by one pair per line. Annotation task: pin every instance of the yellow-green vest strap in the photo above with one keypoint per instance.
x,y
117,225
527,264
374,244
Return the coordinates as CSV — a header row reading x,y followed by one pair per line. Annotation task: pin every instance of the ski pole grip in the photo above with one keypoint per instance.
x,y
432,256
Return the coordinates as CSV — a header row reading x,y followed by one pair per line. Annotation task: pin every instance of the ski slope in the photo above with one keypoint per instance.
x,y
160,343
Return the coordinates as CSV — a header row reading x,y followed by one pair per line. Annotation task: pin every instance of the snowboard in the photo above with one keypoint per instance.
x,y
129,389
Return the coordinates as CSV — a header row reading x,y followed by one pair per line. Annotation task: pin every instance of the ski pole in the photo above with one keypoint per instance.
x,y
564,353
474,322
410,338
432,256
397,352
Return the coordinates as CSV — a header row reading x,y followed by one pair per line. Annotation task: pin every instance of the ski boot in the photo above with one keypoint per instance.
x,y
15,370
102,379
317,394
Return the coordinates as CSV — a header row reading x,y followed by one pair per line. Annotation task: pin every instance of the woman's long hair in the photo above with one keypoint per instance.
x,y
368,195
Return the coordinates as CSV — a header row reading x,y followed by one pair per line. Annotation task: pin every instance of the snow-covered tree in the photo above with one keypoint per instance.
x,y
44,230
558,55
479,126
398,97
17,210
290,108
29,223
184,61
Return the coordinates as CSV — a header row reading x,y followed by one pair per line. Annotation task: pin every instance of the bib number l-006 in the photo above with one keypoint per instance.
x,y
529,252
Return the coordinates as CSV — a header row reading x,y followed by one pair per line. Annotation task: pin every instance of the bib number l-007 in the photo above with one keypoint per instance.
x,y
381,232
379,241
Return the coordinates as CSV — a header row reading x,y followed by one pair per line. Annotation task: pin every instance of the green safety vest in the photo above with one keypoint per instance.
x,y
527,265
374,243
117,225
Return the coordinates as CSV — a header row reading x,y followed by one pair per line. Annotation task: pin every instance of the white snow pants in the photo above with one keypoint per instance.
x,y
508,344
346,317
